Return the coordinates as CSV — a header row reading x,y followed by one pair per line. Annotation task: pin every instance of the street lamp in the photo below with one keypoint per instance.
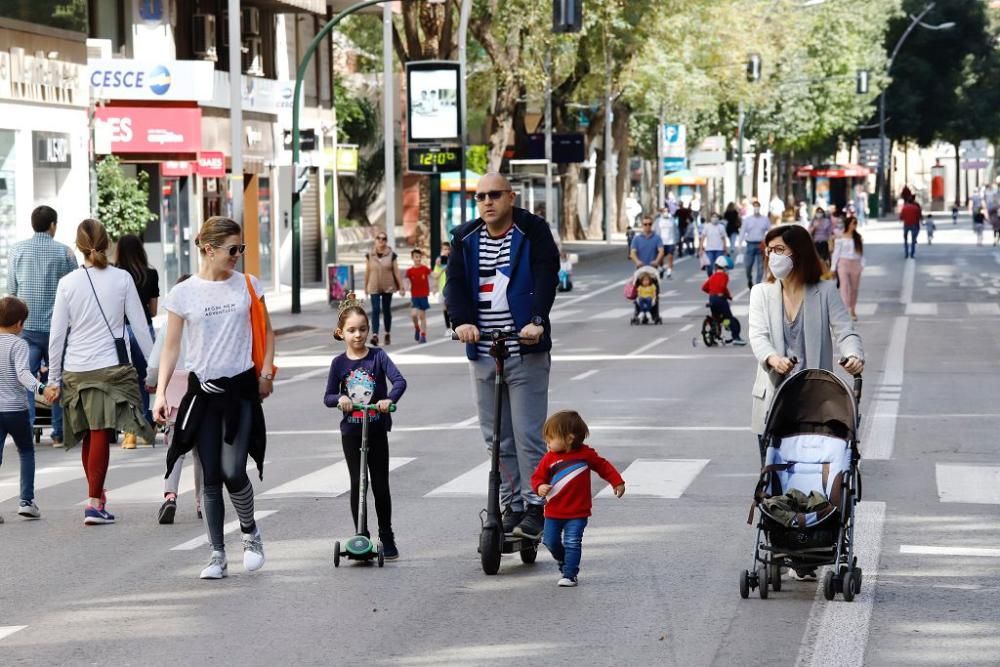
x,y
880,178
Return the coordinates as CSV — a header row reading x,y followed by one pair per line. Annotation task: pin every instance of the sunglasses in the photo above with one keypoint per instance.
x,y
235,250
381,238
492,194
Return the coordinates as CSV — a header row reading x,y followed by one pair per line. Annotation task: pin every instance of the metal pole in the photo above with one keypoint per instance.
x,y
388,126
236,110
739,156
435,221
550,206
660,195
609,183
463,39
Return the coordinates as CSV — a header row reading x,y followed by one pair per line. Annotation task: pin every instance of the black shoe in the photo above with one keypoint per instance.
x,y
167,511
532,524
375,340
511,518
389,550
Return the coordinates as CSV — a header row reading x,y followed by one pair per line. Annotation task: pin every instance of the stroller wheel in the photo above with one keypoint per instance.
x,y
775,576
634,321
829,585
849,587
858,577
764,581
745,584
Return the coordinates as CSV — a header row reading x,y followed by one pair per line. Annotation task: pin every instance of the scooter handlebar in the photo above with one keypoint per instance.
x,y
493,335
373,406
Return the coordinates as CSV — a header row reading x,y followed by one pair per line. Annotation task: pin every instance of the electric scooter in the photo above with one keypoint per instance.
x,y
493,542
361,547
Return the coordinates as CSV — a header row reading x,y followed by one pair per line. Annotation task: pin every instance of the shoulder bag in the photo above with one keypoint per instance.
x,y
258,330
121,345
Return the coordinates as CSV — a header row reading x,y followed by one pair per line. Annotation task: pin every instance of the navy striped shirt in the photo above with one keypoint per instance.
x,y
15,375
494,276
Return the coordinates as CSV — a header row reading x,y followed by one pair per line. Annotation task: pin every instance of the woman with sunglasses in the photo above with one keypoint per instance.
x,y
795,319
381,280
221,412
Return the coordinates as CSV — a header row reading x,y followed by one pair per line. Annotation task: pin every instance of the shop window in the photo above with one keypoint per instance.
x,y
107,21
8,215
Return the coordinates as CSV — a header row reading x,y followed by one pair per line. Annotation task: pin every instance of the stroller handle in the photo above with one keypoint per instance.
x,y
372,406
858,381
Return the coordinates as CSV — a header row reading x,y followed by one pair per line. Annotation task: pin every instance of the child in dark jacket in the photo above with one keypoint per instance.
x,y
359,376
717,288
563,479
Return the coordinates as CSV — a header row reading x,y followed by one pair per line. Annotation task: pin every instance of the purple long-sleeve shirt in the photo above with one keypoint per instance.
x,y
366,381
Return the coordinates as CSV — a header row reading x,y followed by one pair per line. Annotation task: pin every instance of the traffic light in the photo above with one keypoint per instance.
x,y
862,86
753,67
567,16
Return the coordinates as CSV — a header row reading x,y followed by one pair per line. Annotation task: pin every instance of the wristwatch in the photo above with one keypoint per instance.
x,y
267,376
538,320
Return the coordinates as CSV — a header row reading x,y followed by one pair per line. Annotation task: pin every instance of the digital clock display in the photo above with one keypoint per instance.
x,y
434,159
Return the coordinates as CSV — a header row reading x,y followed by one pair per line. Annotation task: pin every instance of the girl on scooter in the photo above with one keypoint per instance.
x,y
361,375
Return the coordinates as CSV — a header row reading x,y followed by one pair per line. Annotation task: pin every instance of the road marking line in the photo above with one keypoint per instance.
x,y
612,314
664,478
302,376
475,427
909,275
837,632
983,308
949,551
687,327
433,360
879,430
474,419
328,482
8,630
676,312
648,346
589,295
563,315
895,356
44,478
974,484
921,309
866,309
230,527
471,483
585,374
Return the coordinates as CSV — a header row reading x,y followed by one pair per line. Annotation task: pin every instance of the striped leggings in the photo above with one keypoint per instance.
x,y
225,464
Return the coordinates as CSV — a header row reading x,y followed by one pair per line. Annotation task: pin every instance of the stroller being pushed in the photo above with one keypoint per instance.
x,y
645,294
809,486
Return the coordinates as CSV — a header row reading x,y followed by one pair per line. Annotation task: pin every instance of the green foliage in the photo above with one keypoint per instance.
x,y
122,202
63,14
477,157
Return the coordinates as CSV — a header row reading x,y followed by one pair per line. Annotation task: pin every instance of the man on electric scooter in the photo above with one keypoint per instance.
x,y
503,271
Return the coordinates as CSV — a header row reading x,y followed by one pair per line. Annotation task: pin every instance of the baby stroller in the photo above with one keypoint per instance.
x,y
809,486
632,294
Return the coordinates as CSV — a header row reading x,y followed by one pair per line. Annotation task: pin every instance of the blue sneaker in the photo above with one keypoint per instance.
x,y
97,517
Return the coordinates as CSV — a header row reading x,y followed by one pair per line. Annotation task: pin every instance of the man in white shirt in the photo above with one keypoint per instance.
x,y
713,242
776,209
667,226
754,230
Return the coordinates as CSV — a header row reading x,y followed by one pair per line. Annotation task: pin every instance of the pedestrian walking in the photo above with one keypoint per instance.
x,y
792,316
776,209
504,273
755,227
90,369
221,413
978,224
685,229
15,378
994,214
666,226
695,207
822,231
130,255
930,227
381,280
362,375
712,242
562,478
418,284
911,215
848,263
734,222
647,246
441,276
34,268
719,296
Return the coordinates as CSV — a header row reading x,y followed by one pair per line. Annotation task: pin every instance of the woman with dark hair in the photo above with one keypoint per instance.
x,y
848,263
794,318
822,231
131,257
733,224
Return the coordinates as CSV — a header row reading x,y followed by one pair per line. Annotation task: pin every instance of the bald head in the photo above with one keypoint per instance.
x,y
495,202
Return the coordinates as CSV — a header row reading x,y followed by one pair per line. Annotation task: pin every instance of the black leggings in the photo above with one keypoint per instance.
x,y
225,464
378,476
382,303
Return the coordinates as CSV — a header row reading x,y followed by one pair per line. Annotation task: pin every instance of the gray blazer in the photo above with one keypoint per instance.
x,y
823,311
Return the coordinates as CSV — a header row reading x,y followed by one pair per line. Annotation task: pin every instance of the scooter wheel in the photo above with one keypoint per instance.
x,y
380,555
529,553
336,554
745,584
490,545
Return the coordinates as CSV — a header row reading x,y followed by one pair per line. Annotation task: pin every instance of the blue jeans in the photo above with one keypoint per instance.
x,y
720,308
38,349
18,426
564,539
382,304
753,256
912,233
712,255
141,366
645,305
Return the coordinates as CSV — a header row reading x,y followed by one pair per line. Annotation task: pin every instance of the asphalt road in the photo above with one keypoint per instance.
x,y
658,581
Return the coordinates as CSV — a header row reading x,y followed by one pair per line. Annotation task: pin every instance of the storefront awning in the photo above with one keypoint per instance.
x,y
684,177
314,6
832,171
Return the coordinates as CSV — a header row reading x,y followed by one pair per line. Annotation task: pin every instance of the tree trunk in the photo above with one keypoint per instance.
x,y
504,109
570,227
619,137
597,206
756,172
958,178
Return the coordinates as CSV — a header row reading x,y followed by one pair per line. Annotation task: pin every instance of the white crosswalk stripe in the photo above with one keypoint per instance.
x,y
922,309
666,478
613,313
231,527
977,484
8,630
471,483
328,482
983,308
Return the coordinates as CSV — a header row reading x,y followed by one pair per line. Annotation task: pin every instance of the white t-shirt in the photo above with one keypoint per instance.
x,y
714,234
216,323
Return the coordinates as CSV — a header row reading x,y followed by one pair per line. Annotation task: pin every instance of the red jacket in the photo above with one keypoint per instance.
x,y
569,475
717,285
910,214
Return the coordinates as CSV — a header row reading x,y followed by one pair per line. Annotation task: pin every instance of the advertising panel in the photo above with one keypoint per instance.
x,y
432,93
147,130
171,80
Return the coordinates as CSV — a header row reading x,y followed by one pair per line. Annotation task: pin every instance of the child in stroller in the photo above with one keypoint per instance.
x,y
645,290
809,486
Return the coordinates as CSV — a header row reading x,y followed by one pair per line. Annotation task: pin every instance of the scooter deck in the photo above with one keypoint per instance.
x,y
512,544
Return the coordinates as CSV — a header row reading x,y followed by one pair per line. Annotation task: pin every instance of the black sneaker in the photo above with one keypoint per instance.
x,y
532,524
389,549
511,518
167,511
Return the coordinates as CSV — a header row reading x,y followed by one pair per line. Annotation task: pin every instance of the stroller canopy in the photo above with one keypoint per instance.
x,y
813,401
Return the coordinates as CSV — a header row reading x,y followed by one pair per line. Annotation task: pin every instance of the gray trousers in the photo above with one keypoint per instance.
x,y
525,407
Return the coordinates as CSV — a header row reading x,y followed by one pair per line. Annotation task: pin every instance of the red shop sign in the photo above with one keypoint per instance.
x,y
151,130
212,164
176,168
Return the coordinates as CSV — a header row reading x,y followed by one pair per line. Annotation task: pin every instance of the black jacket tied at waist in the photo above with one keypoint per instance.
x,y
226,396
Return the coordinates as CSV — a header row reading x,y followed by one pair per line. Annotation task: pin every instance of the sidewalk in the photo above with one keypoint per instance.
x,y
317,314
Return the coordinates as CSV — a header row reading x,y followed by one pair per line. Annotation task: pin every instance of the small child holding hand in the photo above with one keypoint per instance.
x,y
563,479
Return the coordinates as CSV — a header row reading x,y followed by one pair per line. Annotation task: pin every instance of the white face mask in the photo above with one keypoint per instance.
x,y
781,265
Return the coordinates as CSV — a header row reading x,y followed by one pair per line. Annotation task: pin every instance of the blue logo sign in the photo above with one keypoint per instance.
x,y
159,80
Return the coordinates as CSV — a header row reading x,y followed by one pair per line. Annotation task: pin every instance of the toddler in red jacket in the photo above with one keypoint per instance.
x,y
563,479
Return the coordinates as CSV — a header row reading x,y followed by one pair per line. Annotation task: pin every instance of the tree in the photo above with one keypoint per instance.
x,y
122,202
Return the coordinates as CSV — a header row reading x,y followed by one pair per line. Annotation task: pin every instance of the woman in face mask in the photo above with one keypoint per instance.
x,y
795,319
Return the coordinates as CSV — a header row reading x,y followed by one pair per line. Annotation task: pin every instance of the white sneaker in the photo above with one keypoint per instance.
x,y
253,551
217,568
29,511
567,582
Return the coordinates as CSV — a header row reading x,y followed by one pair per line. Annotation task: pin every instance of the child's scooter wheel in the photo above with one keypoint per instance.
x,y
529,553
336,554
380,555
